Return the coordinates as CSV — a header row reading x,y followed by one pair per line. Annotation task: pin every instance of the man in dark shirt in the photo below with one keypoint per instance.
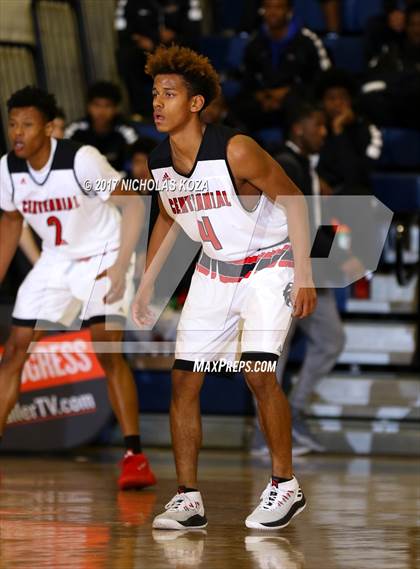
x,y
391,91
305,136
103,126
144,24
352,146
280,57
386,28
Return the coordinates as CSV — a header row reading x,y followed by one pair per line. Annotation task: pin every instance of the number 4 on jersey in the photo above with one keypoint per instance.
x,y
207,233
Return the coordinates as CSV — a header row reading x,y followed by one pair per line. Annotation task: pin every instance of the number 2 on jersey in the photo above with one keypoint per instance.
x,y
207,233
53,220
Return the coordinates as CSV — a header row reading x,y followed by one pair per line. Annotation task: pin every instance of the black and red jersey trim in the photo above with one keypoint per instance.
x,y
235,271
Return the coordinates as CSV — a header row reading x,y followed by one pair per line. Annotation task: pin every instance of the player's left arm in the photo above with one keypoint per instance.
x,y
132,215
250,163
90,168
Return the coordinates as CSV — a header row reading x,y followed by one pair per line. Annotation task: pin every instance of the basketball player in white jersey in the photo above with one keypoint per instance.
x,y
247,284
86,236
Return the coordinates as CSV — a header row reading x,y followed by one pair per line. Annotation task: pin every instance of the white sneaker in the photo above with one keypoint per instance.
x,y
278,505
184,511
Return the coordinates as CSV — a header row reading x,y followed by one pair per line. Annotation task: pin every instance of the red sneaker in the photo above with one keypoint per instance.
x,y
135,472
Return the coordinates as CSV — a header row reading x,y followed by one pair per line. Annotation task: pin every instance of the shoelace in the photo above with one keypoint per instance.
x,y
179,502
274,496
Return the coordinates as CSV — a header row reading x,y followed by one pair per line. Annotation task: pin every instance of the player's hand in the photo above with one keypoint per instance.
x,y
116,274
304,298
140,309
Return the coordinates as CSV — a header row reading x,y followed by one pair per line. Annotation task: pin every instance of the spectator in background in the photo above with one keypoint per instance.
x,y
219,112
332,15
142,25
103,126
386,28
391,92
252,11
305,135
139,156
352,146
59,124
280,58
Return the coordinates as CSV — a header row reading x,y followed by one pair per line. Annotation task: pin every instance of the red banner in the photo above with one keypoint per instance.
x,y
63,401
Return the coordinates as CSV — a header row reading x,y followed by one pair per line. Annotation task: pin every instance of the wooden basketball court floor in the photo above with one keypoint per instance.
x,y
64,512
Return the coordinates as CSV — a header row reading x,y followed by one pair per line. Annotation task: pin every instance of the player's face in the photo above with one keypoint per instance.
x,y
173,106
102,112
28,131
314,132
276,13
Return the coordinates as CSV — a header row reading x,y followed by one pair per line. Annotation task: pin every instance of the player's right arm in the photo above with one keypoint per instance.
x,y
161,242
11,224
11,221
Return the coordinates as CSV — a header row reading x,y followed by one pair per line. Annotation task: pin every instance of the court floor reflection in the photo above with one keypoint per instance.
x,y
65,513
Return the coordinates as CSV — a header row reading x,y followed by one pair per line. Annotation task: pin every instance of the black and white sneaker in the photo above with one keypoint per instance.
x,y
184,511
279,503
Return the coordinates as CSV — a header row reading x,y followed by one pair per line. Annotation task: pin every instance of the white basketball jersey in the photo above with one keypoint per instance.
x,y
70,220
206,205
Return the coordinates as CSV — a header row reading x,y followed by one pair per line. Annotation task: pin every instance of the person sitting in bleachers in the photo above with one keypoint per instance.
x,y
251,15
103,127
353,145
220,112
386,28
281,57
142,25
59,124
391,92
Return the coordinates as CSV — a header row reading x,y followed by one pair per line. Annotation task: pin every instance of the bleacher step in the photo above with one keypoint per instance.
x,y
370,342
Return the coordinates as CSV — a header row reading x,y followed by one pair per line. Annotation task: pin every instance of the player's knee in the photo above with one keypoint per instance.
x,y
185,385
260,383
16,352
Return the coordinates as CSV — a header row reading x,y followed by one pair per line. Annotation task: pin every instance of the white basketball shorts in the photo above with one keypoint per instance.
x,y
58,290
235,308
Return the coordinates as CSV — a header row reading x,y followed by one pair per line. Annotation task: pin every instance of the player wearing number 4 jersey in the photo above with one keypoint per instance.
x,y
247,282
86,236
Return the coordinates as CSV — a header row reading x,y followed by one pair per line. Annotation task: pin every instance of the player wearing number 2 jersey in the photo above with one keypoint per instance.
x,y
65,193
248,217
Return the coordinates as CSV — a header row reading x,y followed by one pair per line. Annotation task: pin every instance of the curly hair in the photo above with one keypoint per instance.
x,y
197,71
31,96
